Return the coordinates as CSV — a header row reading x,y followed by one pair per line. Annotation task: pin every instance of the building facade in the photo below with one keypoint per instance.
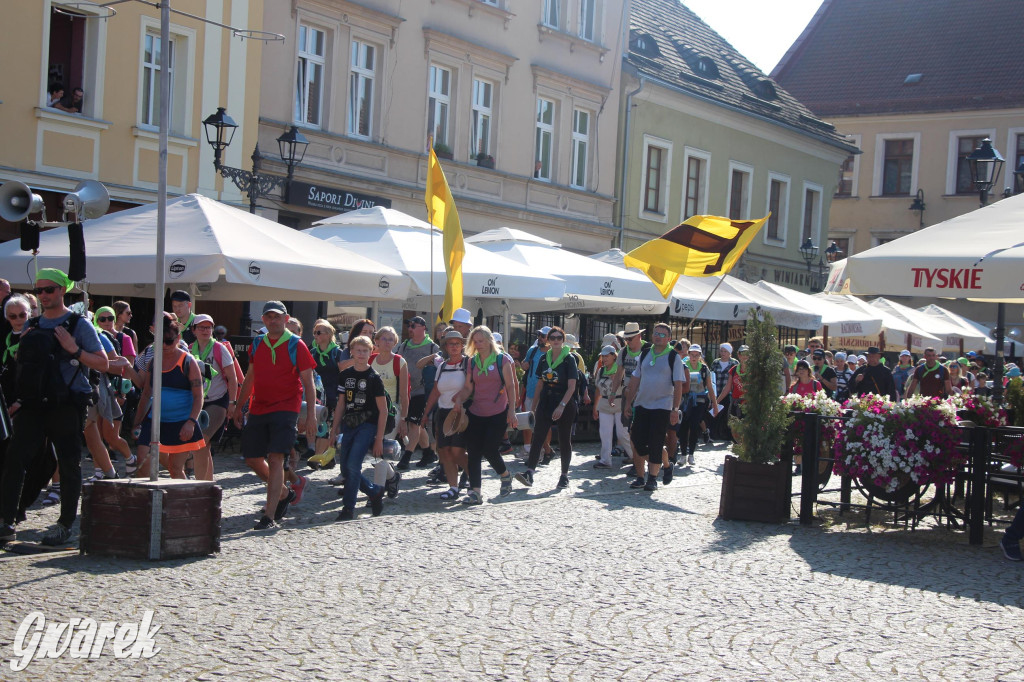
x,y
704,132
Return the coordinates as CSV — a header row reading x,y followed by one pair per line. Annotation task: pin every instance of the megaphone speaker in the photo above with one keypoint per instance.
x,y
89,200
76,251
17,201
29,235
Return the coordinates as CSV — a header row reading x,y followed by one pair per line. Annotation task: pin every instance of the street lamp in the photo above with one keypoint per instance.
x,y
918,205
1018,177
808,250
985,164
220,130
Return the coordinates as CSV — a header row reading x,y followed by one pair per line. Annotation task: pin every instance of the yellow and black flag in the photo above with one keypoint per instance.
x,y
701,246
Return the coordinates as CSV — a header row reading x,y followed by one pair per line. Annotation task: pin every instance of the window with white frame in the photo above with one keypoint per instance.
x,y
545,137
740,177
695,189
588,20
481,116
73,49
897,169
362,70
309,76
812,213
439,104
551,13
151,60
965,146
580,147
657,161
778,205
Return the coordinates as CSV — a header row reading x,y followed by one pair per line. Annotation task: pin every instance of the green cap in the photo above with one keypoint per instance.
x,y
56,276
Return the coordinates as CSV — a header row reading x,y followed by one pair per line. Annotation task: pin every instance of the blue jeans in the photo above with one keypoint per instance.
x,y
355,443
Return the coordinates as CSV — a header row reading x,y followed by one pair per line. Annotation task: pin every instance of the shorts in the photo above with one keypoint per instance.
x,y
457,440
416,405
270,432
106,406
528,403
648,431
219,402
170,436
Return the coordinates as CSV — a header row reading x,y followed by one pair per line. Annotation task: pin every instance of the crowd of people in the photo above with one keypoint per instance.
x,y
68,378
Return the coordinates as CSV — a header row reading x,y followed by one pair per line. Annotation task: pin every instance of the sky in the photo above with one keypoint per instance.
x,y
761,30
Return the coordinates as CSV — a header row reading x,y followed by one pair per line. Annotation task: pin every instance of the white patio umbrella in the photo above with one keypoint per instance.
x,y
225,253
972,326
590,285
952,336
896,333
837,321
404,243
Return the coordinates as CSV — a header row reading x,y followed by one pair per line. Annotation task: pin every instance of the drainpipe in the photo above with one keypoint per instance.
x,y
625,161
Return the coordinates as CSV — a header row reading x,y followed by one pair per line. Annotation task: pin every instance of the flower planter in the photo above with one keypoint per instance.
x,y
755,492
486,163
444,155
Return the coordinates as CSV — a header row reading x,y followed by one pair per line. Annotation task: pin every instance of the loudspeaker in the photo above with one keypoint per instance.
x,y
76,252
89,200
17,201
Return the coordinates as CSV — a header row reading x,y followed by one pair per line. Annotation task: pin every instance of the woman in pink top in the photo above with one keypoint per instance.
x,y
805,383
491,381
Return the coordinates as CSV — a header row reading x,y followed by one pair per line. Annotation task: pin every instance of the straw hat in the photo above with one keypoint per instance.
x,y
455,422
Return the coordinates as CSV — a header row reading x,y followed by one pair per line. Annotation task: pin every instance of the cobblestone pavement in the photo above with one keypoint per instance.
x,y
595,582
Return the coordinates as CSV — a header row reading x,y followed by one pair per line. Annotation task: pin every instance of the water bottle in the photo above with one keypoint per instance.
x,y
318,385
392,449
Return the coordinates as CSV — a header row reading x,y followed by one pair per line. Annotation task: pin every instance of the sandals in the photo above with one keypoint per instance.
x,y
449,495
472,497
52,497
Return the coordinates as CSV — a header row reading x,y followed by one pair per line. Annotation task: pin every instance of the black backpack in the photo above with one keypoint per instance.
x,y
39,381
672,358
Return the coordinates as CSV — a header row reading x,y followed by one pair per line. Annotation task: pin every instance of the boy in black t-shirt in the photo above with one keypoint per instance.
x,y
360,418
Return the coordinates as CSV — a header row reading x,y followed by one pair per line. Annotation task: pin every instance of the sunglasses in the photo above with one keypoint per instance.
x,y
660,335
321,332
45,290
555,338
19,316
105,318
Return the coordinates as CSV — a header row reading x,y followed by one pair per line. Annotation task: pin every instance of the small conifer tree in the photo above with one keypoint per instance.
x,y
762,429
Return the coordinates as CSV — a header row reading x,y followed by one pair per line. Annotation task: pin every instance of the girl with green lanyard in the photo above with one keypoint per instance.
x,y
607,408
701,396
221,394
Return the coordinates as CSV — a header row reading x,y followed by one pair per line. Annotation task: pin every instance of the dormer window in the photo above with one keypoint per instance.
x,y
764,90
644,44
705,67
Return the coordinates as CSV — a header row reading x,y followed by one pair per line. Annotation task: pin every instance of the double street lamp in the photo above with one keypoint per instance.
x,y
808,251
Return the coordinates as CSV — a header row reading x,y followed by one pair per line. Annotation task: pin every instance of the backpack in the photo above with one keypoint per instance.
x,y
293,348
239,376
582,384
672,358
392,420
396,367
38,379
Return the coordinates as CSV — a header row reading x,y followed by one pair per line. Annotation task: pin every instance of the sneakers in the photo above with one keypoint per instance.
x,y
506,486
652,483
377,503
690,461
667,474
472,498
391,485
525,478
282,506
265,523
602,465
506,447
707,436
403,462
1011,550
7,534
637,483
548,456
563,481
346,514
58,535
427,459
52,497
299,488
338,480
436,476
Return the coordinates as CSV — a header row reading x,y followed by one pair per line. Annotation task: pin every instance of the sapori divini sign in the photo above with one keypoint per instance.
x,y
331,198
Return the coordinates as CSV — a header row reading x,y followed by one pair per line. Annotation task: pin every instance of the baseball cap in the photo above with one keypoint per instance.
x,y
199,319
972,354
695,348
818,353
609,350
840,355
180,295
274,307
743,349
417,320
543,331
461,315
497,337
726,346
905,354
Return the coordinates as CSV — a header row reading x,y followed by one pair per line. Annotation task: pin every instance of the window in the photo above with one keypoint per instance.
x,y
439,103
588,16
964,147
1020,151
360,89
580,147
653,184
897,170
778,205
739,191
550,10
309,76
151,78
844,247
480,142
66,51
695,189
545,138
844,187
812,214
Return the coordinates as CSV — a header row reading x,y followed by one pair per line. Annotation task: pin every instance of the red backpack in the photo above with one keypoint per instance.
x,y
396,367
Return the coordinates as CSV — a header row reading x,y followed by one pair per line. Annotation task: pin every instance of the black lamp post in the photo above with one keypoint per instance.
x,y
220,129
1018,177
918,205
808,250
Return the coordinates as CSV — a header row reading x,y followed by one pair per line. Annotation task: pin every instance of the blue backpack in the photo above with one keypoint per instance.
x,y
293,348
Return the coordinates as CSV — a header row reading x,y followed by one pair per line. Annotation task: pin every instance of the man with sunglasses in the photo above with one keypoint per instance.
x,y
77,351
418,346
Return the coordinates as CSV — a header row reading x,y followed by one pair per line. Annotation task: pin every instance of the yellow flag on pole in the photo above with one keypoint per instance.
x,y
701,246
443,215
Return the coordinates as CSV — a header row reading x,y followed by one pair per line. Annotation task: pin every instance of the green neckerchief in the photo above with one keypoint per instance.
x,y
11,350
610,371
655,355
632,354
424,342
691,367
191,316
322,356
202,355
933,367
273,348
739,370
553,364
483,363
792,365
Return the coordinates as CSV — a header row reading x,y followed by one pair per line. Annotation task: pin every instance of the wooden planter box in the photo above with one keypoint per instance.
x,y
139,519
755,492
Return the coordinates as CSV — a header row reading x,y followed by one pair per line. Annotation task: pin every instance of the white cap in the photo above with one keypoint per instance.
x,y
570,340
462,315
905,353
497,337
199,319
544,330
840,355
695,348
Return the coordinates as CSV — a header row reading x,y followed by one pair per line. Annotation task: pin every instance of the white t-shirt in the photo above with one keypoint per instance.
x,y
386,371
450,379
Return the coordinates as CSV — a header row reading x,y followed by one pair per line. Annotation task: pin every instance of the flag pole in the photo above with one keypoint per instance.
x,y
430,219
704,304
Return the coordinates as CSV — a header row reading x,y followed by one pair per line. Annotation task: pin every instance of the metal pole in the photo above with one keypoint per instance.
x,y
809,475
161,228
997,379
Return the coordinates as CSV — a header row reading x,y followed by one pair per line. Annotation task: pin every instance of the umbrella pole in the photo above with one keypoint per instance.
x,y
997,382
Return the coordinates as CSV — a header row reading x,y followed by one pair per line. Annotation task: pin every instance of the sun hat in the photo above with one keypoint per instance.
x,y
455,422
453,334
461,315
570,340
873,350
632,329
